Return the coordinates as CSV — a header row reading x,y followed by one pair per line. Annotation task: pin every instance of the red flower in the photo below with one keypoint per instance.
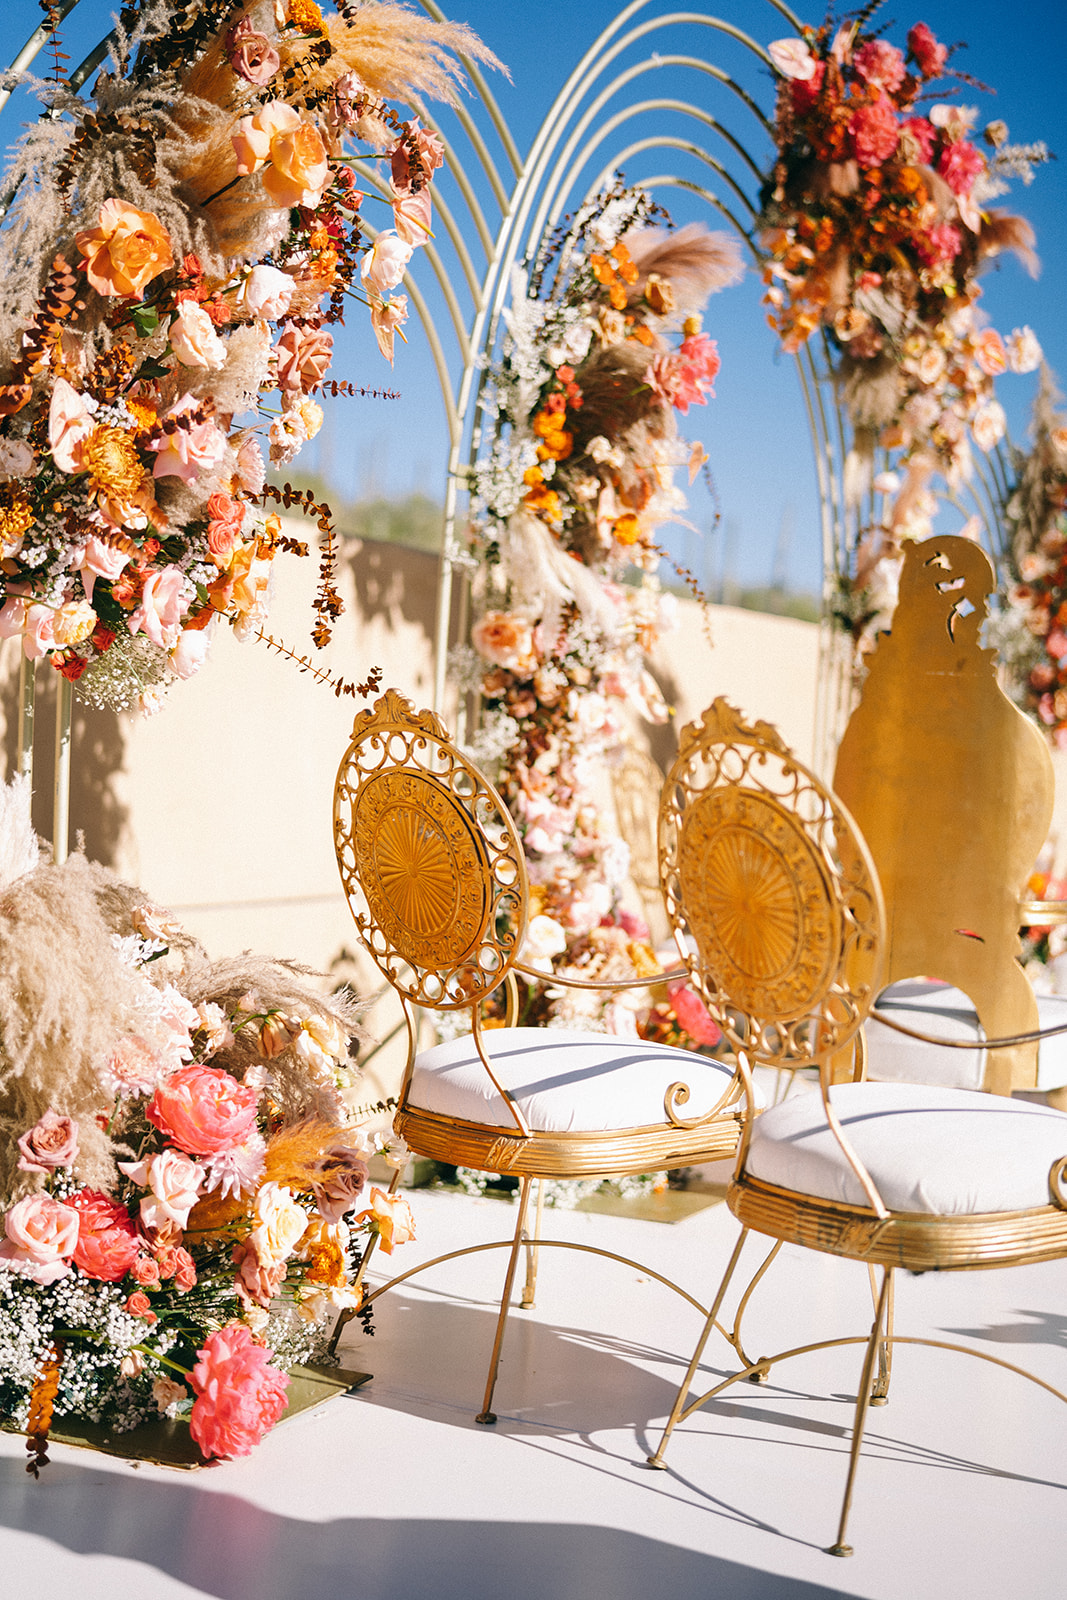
x,y
874,132
805,91
107,1238
239,1396
928,55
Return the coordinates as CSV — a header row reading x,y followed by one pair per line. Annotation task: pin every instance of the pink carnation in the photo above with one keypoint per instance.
x,y
880,63
203,1110
874,132
239,1395
107,1244
940,246
685,378
928,55
959,164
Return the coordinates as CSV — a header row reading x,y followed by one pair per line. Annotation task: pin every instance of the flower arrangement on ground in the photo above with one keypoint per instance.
x,y
181,1180
876,221
175,254
577,480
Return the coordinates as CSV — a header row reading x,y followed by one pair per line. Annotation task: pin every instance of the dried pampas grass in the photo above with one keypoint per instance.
x,y
695,262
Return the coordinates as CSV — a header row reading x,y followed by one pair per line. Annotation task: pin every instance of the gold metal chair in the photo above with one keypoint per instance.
x,y
434,872
791,948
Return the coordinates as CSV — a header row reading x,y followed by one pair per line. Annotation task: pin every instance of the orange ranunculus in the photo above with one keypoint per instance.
x,y
127,250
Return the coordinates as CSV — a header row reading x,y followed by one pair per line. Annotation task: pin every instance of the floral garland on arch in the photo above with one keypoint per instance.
x,y
876,221
577,480
181,1177
176,253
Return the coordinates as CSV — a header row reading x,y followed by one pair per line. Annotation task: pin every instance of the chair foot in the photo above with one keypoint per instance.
x,y
486,1418
527,1305
838,1549
657,1462
879,1400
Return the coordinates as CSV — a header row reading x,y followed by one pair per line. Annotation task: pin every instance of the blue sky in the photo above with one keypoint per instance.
x,y
754,430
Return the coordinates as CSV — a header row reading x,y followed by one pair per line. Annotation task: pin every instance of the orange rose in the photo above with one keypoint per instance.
x,y
390,1217
292,152
127,250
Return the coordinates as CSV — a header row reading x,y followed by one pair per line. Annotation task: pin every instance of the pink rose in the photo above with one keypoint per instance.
x,y
959,164
252,56
139,1305
203,1110
190,447
146,1272
303,358
928,55
162,604
99,559
175,1184
874,132
881,63
107,1244
239,1395
193,338
383,266
51,1142
42,1235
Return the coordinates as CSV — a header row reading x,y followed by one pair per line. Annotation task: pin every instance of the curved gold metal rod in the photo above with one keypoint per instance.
x,y
553,1244
969,1044
878,1205
608,983
516,1112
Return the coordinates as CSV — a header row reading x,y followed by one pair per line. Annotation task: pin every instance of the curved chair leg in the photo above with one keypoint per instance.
x,y
880,1390
528,1301
862,1402
734,1337
487,1415
679,1402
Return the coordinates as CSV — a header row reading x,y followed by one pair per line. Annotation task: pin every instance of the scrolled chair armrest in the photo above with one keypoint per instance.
x,y
1055,1183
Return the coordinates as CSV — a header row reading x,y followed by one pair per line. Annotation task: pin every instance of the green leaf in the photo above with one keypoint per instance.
x,y
145,319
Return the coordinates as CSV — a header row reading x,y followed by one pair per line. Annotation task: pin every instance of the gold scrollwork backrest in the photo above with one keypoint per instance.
x,y
429,858
763,867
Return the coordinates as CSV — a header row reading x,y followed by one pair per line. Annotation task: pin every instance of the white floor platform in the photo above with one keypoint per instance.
x,y
396,1492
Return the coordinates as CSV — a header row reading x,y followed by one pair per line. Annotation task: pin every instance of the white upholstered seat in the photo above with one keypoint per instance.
x,y
938,1008
563,1080
942,1152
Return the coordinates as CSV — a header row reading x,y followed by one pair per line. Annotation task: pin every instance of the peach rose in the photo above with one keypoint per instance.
x,y
304,356
107,1246
162,603
193,338
175,1182
203,1110
279,1225
42,1235
505,639
239,1396
51,1142
291,151
127,250
390,1218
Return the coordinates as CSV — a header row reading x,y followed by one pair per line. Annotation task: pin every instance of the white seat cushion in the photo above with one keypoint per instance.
x,y
952,1152
937,1008
565,1081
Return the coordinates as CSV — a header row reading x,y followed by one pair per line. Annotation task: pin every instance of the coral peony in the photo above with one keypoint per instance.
x,y
239,1395
51,1142
874,132
878,62
107,1244
203,1110
127,250
959,164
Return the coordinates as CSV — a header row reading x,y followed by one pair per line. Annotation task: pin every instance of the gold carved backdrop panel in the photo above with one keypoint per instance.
x,y
952,788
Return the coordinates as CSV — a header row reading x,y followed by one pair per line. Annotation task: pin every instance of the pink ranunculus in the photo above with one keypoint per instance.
x,y
411,215
928,55
267,292
162,603
304,356
959,164
52,1142
70,422
107,1245
175,1183
878,62
252,56
203,1110
383,266
193,447
41,1236
239,1395
874,132
922,135
694,1018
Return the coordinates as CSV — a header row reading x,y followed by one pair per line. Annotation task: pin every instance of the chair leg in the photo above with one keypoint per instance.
x,y
533,1252
880,1391
487,1415
862,1402
679,1402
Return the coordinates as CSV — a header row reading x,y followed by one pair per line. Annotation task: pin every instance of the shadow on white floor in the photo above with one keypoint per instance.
x,y
396,1492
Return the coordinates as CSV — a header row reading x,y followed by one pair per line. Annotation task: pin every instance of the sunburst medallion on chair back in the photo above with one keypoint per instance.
x,y
765,869
429,858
